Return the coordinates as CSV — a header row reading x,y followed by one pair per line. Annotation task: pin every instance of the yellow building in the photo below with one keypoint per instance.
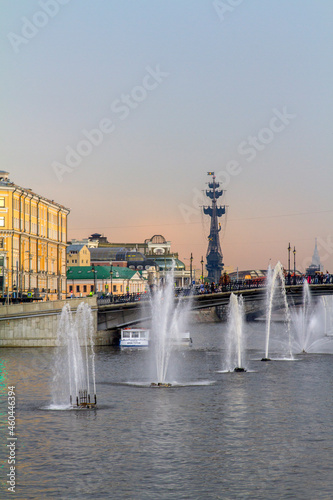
x,y
33,235
78,255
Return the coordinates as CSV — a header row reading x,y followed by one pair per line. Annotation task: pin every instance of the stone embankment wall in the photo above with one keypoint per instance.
x,y
35,324
208,315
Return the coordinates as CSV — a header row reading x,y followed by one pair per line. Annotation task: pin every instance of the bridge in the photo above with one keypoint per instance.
x,y
114,316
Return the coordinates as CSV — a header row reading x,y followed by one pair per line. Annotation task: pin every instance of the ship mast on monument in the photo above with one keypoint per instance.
x,y
214,255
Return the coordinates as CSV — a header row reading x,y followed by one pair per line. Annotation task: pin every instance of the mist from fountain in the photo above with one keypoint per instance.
x,y
235,335
74,365
169,321
310,322
273,278
327,309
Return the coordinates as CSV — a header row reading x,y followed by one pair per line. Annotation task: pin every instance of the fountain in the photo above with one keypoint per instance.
x,y
235,341
74,368
327,306
272,280
307,323
169,320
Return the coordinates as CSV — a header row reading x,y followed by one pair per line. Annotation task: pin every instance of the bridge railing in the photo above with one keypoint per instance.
x,y
179,292
196,290
229,287
122,299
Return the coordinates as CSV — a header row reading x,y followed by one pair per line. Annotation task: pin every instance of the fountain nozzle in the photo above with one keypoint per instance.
x,y
160,384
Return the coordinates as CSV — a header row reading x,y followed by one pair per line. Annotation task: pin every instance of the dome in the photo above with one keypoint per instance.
x,y
158,238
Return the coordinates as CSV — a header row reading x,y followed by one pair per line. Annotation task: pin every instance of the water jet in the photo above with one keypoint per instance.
x,y
235,338
169,322
271,286
307,323
74,366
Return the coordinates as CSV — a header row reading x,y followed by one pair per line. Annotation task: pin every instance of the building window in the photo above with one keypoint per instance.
x,y
114,288
77,288
91,288
1,242
2,201
70,288
2,221
85,288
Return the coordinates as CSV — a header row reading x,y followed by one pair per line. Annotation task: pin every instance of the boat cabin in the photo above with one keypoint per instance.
x,y
134,337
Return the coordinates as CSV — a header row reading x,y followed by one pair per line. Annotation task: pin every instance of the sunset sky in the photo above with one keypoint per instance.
x,y
118,109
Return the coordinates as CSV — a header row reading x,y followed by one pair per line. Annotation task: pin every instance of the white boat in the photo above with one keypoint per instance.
x,y
134,337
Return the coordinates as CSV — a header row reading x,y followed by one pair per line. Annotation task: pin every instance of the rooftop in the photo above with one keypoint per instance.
x,y
101,272
6,182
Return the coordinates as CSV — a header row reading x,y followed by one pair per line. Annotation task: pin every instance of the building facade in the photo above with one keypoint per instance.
x,y
33,235
78,255
153,258
83,281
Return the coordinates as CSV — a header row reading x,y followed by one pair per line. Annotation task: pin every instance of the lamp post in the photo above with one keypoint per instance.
x,y
23,272
191,260
289,248
111,275
17,280
294,252
94,271
68,277
60,277
2,263
202,263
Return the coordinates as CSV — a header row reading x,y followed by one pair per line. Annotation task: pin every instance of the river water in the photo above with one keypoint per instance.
x,y
263,434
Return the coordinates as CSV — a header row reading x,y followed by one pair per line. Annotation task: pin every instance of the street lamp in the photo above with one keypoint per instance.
x,y
191,260
294,252
67,278
60,278
202,263
23,272
94,271
2,264
289,248
111,275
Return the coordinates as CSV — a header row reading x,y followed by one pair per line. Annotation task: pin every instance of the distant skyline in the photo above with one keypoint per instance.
x,y
118,110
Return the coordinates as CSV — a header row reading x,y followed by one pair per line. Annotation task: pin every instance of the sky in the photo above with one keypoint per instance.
x,y
118,109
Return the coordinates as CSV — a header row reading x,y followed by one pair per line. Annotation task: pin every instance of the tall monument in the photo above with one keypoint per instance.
x,y
214,255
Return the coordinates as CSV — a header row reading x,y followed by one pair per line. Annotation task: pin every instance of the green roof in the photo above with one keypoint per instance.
x,y
101,272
